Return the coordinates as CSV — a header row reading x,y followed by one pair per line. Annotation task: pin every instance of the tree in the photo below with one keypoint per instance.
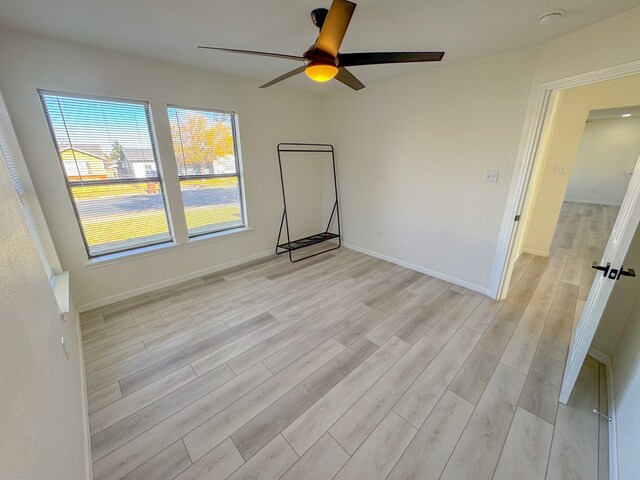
x,y
198,144
116,150
221,139
119,160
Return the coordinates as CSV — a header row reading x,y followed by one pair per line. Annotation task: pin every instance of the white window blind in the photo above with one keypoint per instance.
x,y
12,157
205,147
108,155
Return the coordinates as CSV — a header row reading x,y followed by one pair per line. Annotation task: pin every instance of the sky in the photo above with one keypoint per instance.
x,y
81,121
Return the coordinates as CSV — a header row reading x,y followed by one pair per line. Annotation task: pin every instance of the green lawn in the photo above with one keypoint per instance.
x,y
108,229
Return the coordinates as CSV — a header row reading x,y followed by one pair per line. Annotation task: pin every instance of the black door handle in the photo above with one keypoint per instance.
x,y
626,273
604,270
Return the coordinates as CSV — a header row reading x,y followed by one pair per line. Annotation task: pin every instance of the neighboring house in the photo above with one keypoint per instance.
x,y
142,161
89,162
84,163
226,164
219,166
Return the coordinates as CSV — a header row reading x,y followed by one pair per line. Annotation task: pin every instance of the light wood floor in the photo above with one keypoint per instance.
x,y
344,366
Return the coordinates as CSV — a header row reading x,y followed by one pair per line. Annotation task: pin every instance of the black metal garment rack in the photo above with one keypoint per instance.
x,y
291,245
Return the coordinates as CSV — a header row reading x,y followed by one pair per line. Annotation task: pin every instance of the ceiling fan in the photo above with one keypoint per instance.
x,y
322,61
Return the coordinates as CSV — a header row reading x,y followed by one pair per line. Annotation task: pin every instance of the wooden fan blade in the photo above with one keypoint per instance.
x,y
346,77
376,58
252,52
335,26
285,76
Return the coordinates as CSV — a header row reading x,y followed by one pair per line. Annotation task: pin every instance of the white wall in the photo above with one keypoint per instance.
x,y
266,117
412,152
41,396
611,42
608,148
626,377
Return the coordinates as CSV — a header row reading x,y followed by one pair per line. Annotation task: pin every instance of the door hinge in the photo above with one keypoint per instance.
x,y
517,218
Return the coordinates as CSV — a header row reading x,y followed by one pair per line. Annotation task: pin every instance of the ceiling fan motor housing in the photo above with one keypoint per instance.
x,y
314,55
318,16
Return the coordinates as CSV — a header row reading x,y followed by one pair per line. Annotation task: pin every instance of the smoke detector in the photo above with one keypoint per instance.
x,y
549,18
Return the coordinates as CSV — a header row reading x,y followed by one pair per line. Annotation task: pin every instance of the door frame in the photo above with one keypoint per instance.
x,y
521,184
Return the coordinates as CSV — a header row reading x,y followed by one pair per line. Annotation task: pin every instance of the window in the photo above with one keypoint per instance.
x,y
108,155
205,146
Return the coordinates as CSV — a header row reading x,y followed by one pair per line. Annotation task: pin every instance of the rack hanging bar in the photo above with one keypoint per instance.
x,y
308,147
292,245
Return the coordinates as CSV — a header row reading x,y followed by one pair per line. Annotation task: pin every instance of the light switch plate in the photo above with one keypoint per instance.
x,y
491,175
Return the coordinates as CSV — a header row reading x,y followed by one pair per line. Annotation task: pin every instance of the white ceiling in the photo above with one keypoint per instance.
x,y
614,112
171,29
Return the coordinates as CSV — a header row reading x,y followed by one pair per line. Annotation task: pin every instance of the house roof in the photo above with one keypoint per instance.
x,y
139,155
134,155
91,150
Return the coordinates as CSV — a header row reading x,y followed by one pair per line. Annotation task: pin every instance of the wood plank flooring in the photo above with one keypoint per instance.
x,y
348,367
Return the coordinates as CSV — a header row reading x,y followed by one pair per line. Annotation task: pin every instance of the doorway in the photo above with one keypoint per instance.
x,y
586,226
594,112
526,186
608,88
592,185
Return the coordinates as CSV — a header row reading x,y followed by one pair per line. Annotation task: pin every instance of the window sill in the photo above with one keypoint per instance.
x,y
162,248
132,255
60,286
210,237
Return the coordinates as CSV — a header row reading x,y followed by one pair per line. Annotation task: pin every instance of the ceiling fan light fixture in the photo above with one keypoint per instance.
x,y
321,71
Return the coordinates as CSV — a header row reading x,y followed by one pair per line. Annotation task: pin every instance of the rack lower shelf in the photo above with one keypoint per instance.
x,y
307,241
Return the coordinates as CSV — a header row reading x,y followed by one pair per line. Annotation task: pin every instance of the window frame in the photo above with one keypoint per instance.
x,y
159,179
239,171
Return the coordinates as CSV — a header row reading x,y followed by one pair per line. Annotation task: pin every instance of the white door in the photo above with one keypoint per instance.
x,y
614,254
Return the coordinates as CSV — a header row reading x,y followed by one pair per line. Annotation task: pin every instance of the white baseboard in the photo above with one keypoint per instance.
x,y
84,400
533,251
591,202
411,266
171,281
613,439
